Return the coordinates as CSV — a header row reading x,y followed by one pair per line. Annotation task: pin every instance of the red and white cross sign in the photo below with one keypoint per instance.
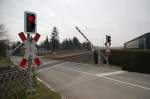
x,y
108,53
30,49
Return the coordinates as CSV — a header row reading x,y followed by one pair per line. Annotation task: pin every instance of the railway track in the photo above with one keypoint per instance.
x,y
4,70
82,58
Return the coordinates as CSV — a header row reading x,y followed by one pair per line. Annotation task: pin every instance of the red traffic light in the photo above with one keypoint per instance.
x,y
31,18
30,22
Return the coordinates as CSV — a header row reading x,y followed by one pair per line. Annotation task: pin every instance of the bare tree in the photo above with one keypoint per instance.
x,y
3,32
3,41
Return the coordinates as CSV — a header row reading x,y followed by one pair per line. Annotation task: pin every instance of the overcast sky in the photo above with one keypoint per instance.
x,y
122,19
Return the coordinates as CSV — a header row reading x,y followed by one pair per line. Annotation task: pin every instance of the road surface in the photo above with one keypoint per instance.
x,y
82,81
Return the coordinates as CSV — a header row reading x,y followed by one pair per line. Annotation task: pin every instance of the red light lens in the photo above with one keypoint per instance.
x,y
30,18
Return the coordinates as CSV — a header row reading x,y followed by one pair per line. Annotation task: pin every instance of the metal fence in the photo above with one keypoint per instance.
x,y
13,84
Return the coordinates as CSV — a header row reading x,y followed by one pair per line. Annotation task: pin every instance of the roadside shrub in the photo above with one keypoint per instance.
x,y
132,60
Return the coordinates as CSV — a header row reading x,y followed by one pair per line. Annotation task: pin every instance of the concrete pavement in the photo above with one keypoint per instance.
x,y
83,81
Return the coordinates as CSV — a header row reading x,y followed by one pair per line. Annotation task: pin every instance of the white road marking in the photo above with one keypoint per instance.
x,y
110,73
135,85
48,62
46,84
104,75
99,75
50,87
77,71
51,67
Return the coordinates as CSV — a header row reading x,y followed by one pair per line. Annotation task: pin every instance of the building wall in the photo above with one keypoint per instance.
x,y
132,44
142,42
148,41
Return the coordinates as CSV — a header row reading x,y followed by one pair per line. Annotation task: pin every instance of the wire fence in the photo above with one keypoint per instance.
x,y
13,84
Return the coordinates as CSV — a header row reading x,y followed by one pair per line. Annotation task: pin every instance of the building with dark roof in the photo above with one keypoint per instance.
x,y
141,42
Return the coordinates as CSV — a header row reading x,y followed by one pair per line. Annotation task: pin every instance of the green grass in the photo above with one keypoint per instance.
x,y
5,62
91,62
42,92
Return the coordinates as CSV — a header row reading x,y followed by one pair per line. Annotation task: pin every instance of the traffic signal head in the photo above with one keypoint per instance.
x,y
31,18
30,22
108,39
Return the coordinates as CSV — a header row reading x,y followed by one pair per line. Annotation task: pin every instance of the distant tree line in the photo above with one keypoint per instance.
x,y
3,41
66,44
53,44
49,44
74,44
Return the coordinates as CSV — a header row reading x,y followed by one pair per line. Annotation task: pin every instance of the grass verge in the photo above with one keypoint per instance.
x,y
42,92
91,62
5,62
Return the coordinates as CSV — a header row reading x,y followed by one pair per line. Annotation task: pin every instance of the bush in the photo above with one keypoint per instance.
x,y
133,60
3,48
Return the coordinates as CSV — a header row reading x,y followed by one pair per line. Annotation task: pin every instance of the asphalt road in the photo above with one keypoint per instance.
x,y
82,81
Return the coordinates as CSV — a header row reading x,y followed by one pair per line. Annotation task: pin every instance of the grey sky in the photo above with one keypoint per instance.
x,y
122,19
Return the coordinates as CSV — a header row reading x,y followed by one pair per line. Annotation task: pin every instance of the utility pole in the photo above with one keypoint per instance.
x,y
107,44
30,74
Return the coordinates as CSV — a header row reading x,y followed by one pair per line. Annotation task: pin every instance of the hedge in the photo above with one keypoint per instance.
x,y
132,60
